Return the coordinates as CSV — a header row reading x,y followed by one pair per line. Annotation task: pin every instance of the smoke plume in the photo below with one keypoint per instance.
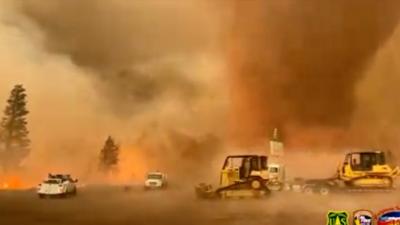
x,y
141,50
297,64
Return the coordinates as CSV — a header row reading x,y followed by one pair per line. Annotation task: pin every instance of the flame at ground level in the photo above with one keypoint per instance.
x,y
11,183
132,167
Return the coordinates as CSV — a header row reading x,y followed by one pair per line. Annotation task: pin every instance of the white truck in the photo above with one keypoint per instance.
x,y
58,185
277,177
155,180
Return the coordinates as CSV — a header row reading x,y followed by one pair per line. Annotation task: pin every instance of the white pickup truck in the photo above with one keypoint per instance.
x,y
58,185
155,180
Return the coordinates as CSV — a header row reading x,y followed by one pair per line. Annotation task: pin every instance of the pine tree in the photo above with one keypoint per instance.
x,y
14,140
109,156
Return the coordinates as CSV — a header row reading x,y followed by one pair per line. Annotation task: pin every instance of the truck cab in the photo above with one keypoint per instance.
x,y
155,180
276,173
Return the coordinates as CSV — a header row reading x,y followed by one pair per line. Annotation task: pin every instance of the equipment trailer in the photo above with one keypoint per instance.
x,y
360,172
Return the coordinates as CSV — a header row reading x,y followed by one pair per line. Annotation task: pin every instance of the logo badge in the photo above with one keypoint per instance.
x,y
338,218
363,217
389,216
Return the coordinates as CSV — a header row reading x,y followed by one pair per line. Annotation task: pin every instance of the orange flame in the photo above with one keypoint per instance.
x,y
11,182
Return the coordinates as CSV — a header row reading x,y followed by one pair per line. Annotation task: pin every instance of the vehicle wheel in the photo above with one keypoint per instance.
x,y
308,190
324,190
255,184
41,196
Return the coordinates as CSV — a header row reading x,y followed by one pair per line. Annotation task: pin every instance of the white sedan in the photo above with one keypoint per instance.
x,y
57,186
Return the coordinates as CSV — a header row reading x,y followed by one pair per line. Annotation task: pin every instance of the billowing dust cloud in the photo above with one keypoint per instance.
x,y
176,81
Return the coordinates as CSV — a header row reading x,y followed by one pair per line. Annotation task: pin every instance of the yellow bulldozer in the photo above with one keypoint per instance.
x,y
241,176
360,171
367,169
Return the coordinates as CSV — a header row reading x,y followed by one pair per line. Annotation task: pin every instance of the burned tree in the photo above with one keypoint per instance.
x,y
14,140
109,156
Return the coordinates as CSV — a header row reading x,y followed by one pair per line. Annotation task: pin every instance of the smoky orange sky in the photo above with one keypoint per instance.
x,y
176,82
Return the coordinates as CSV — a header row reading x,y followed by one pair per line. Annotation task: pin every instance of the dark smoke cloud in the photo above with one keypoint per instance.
x,y
117,34
136,48
297,63
133,90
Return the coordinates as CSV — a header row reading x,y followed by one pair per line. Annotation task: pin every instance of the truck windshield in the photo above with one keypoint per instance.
x,y
273,170
154,176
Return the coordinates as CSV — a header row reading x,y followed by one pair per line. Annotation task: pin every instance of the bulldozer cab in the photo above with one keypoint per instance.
x,y
241,167
364,161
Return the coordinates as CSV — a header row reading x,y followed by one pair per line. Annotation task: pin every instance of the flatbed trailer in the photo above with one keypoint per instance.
x,y
334,185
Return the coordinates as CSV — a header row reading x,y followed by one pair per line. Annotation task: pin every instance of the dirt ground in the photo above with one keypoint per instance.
x,y
111,205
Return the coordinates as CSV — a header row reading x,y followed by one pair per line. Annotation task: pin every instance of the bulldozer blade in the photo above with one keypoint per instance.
x,y
205,191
